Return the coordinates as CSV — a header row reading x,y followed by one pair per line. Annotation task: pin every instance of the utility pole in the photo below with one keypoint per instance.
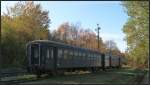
x,y
110,53
98,28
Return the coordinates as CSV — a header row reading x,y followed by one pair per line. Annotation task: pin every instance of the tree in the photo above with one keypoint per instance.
x,y
23,22
110,44
137,32
62,33
29,18
111,47
74,34
67,33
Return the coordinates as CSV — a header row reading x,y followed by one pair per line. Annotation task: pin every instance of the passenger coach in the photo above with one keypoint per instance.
x,y
46,56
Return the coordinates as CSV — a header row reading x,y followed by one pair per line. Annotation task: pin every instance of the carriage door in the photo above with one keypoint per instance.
x,y
35,54
49,57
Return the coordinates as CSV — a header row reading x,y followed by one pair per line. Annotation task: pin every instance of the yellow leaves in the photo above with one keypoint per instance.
x,y
136,30
26,25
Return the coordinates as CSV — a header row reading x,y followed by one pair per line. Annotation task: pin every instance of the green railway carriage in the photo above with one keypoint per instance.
x,y
45,56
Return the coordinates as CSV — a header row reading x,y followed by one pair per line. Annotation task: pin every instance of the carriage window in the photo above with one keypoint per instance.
x,y
86,54
99,55
60,53
91,55
36,53
47,53
65,54
71,53
76,53
79,53
83,54
51,53
96,55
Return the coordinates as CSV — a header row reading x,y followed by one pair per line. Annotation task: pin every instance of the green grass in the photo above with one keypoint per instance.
x,y
114,76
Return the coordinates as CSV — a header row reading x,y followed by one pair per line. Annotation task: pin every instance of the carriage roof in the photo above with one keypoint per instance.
x,y
61,44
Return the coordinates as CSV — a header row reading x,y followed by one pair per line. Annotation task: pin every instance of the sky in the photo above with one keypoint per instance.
x,y
110,15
